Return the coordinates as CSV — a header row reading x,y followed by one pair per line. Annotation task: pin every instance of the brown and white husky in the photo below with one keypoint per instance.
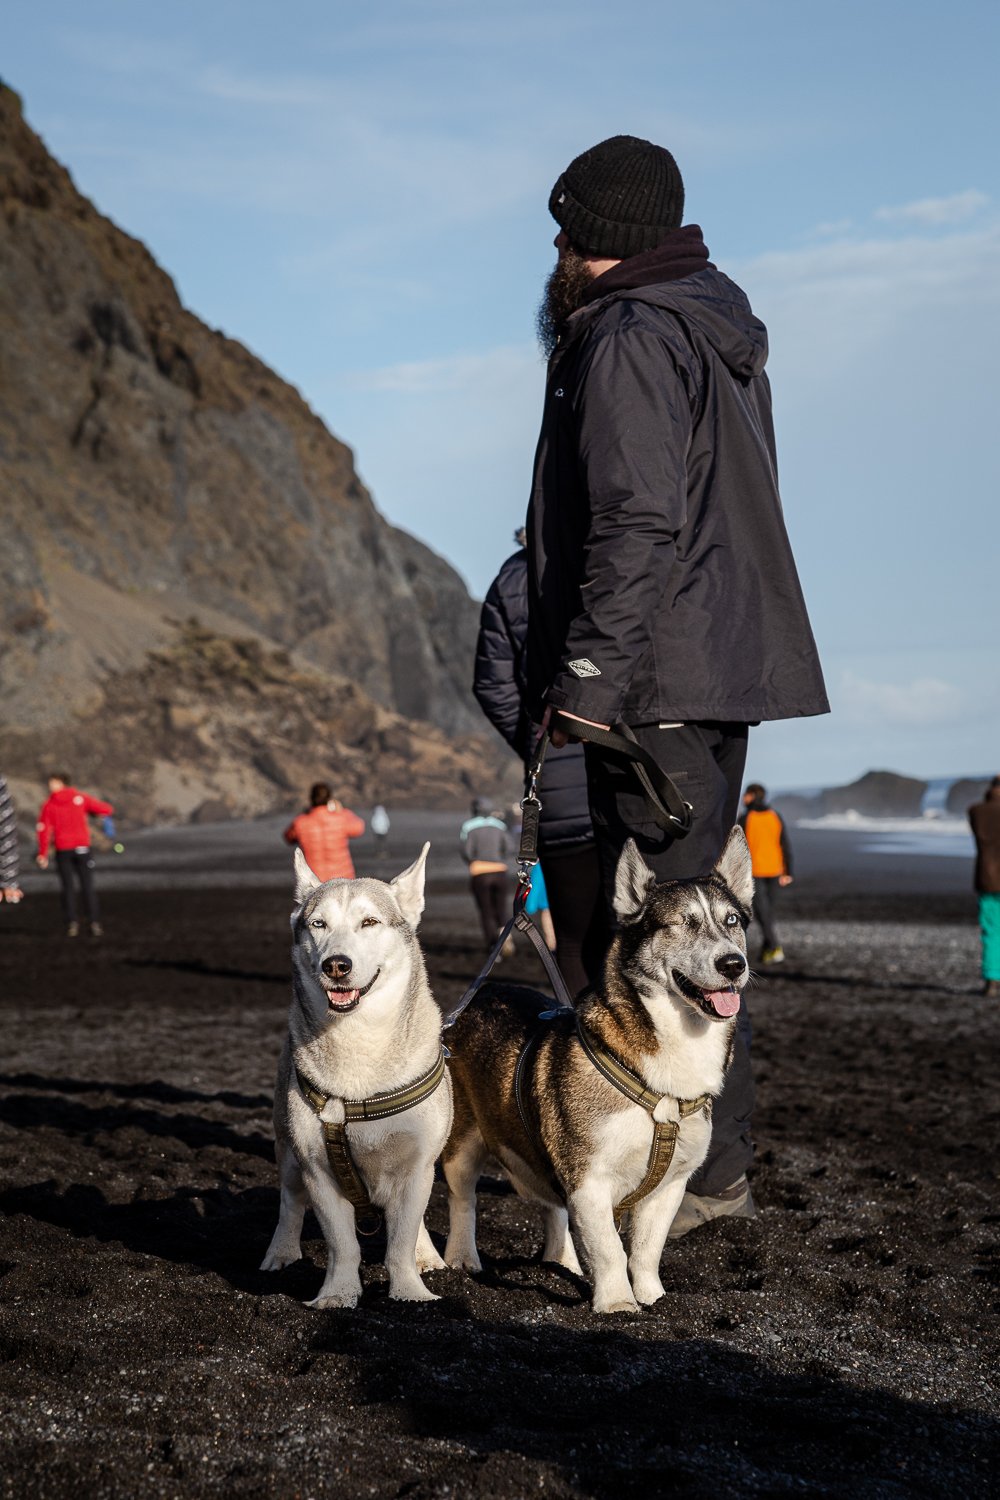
x,y
552,1100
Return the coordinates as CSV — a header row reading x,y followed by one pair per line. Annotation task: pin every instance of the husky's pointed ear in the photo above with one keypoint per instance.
x,y
305,880
633,882
408,888
735,868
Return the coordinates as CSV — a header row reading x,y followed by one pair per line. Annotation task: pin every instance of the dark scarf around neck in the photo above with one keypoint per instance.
x,y
682,253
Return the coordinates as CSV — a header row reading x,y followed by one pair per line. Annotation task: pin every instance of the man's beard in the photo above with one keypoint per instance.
x,y
565,290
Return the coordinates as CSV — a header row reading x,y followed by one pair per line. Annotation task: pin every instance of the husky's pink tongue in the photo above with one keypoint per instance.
x,y
723,1002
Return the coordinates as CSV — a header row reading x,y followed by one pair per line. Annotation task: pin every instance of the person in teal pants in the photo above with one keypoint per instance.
x,y
985,820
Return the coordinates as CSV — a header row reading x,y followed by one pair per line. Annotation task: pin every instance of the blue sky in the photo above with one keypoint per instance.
x,y
359,194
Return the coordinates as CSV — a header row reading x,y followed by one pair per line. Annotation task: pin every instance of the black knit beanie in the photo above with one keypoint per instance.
x,y
619,198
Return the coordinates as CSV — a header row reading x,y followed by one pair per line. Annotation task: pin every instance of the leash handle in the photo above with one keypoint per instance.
x,y
531,813
669,808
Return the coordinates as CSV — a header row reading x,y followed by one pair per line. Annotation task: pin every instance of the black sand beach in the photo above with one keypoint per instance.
x,y
843,1343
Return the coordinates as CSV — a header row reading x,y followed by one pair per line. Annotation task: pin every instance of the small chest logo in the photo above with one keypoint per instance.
x,y
584,668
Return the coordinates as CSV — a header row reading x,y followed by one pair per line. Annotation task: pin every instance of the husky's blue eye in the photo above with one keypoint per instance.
x,y
370,922
732,920
317,922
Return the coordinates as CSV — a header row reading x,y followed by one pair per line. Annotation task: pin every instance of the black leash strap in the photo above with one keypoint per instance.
x,y
669,809
527,858
522,923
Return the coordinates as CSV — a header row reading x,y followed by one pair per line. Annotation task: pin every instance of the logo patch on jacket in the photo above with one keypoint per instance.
x,y
584,668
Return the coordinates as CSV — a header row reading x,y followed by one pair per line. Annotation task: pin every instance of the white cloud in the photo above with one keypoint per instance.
x,y
827,306
275,91
919,704
933,212
485,372
831,229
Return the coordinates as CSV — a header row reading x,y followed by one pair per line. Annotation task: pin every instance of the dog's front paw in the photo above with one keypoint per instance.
x,y
334,1299
621,1304
429,1260
648,1289
277,1260
463,1260
412,1293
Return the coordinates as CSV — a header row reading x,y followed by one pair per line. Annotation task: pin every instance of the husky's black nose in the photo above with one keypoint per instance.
x,y
337,967
731,965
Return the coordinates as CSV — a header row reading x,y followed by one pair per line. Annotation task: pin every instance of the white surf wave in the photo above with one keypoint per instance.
x,y
933,833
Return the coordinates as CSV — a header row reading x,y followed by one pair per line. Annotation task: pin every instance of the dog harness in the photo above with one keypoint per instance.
x,y
665,1132
378,1107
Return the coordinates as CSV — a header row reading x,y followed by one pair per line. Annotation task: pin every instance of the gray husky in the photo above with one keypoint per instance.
x,y
362,1104
605,1111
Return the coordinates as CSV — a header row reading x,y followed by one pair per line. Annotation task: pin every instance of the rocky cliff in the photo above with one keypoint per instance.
x,y
154,473
877,794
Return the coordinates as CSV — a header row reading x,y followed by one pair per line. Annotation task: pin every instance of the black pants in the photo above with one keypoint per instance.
x,y
706,761
490,892
576,901
765,888
78,863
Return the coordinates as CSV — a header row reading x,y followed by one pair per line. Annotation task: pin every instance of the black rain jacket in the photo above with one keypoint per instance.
x,y
661,580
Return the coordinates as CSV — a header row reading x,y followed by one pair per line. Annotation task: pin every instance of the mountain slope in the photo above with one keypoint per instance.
x,y
154,471
143,449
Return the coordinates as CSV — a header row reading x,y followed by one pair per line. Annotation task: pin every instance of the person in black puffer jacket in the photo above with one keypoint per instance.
x,y
566,844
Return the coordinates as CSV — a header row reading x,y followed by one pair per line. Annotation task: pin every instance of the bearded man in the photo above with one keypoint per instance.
x,y
663,595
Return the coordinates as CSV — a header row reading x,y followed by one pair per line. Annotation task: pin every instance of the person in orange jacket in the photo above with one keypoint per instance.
x,y
63,822
771,856
322,833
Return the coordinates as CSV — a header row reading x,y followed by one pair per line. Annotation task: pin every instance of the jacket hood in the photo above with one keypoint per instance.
x,y
705,299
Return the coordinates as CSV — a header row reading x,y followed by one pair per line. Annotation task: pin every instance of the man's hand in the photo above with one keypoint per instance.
x,y
11,893
559,737
785,879
42,861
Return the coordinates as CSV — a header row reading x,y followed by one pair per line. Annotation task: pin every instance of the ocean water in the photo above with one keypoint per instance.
x,y
932,833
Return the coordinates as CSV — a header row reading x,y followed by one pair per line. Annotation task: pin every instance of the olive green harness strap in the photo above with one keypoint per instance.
x,y
665,1132
378,1107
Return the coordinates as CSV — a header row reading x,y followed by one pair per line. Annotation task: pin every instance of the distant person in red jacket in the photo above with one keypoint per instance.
x,y
322,834
771,857
63,822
